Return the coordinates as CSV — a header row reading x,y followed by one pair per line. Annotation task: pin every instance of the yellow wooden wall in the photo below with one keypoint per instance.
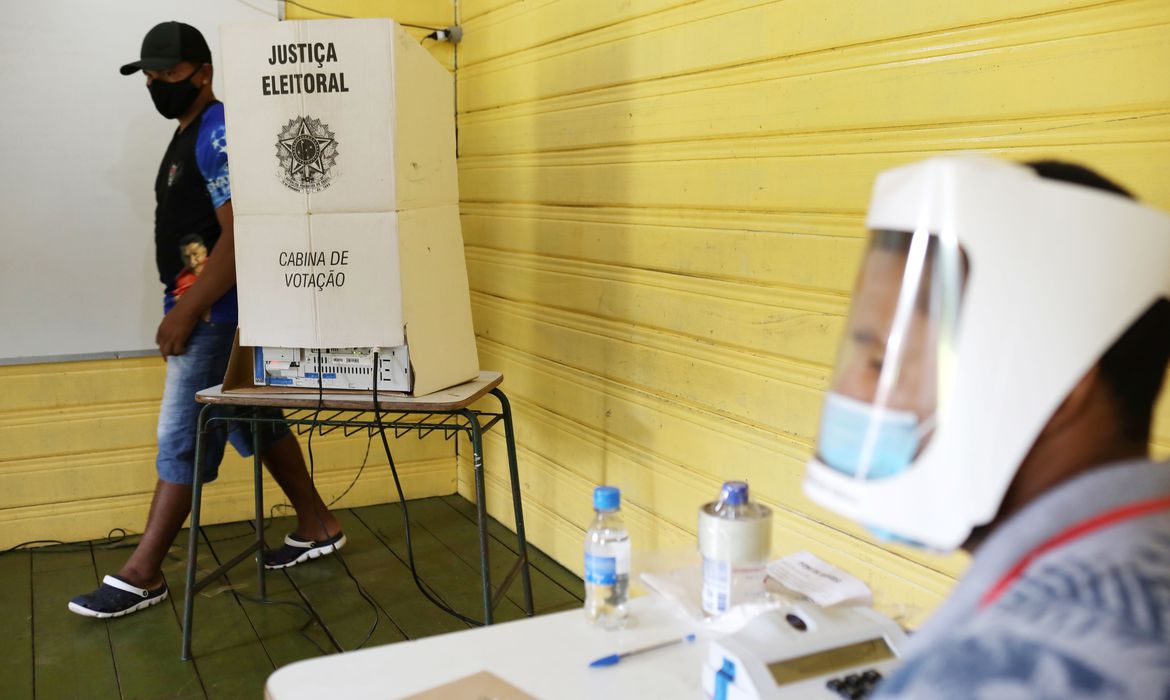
x,y
663,204
77,449
662,207
77,440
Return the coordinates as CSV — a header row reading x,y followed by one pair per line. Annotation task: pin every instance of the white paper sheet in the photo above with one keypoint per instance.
x,y
823,583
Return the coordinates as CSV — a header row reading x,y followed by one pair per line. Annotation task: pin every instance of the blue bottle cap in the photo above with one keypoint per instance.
x,y
607,498
734,493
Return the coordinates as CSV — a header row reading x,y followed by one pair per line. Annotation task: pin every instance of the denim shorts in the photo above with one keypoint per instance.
x,y
202,366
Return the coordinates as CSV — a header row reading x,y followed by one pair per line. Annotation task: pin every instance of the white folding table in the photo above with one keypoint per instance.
x,y
547,657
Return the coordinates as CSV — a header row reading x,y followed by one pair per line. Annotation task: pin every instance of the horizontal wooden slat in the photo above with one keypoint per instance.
x,y
419,18
77,455
475,8
42,481
796,251
832,184
769,394
1051,77
562,500
423,12
49,386
1052,132
223,502
624,44
533,23
800,327
684,436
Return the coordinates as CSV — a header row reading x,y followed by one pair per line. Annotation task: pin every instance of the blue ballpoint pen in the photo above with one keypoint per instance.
x,y
614,658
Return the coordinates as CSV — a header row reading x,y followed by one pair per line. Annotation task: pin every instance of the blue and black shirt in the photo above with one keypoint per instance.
x,y
192,183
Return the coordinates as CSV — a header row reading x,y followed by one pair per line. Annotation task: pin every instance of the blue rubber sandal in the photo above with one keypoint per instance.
x,y
297,550
115,598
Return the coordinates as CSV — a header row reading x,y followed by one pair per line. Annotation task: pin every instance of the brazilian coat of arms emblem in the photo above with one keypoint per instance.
x,y
307,152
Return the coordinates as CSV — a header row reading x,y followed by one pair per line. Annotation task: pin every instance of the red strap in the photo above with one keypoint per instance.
x,y
1098,522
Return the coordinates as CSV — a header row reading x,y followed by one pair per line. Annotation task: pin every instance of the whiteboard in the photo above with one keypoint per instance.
x,y
81,150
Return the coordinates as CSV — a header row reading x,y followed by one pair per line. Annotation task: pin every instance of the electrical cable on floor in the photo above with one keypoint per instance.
x,y
312,615
118,542
60,547
285,506
361,469
313,619
336,550
116,539
112,541
406,514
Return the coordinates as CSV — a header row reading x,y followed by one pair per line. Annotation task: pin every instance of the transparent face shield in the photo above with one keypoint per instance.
x,y
896,366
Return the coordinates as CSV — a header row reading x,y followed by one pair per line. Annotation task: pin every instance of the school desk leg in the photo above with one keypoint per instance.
x,y
481,512
258,479
193,533
517,504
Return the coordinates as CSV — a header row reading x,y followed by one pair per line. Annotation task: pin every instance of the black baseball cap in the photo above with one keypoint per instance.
x,y
167,44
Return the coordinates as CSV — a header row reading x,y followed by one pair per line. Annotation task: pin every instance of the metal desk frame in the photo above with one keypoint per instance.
x,y
353,413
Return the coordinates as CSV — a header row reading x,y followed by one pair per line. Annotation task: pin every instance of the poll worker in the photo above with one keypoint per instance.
x,y
194,251
1008,337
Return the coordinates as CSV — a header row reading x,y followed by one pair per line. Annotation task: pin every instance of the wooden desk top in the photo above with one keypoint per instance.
x,y
450,399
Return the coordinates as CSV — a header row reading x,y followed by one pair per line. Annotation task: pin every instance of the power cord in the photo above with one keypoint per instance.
x,y
406,514
311,615
285,507
117,541
112,541
337,551
312,618
453,34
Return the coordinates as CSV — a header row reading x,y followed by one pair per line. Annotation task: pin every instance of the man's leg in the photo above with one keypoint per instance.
x,y
172,504
168,510
178,422
119,594
287,466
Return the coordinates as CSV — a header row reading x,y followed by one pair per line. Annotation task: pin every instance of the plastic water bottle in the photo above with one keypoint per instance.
x,y
735,539
607,561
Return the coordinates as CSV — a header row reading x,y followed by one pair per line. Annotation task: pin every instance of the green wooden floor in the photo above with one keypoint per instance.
x,y
49,653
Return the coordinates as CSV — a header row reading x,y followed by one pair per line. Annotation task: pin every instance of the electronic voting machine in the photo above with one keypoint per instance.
x,y
804,651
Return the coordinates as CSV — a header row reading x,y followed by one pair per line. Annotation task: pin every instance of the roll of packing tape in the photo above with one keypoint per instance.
x,y
741,539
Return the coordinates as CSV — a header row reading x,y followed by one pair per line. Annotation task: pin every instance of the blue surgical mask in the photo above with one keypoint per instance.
x,y
859,438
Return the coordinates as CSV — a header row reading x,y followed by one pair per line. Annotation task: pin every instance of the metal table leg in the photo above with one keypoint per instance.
x,y
475,430
193,535
517,504
480,511
258,486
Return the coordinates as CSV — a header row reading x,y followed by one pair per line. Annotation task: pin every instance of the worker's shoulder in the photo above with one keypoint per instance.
x,y
1118,578
1089,619
1004,661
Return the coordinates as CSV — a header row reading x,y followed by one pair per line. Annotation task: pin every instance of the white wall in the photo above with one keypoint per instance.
x,y
81,149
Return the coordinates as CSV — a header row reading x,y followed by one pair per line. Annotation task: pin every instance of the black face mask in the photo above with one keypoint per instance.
x,y
172,99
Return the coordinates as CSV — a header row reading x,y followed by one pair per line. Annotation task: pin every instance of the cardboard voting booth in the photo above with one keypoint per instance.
x,y
341,135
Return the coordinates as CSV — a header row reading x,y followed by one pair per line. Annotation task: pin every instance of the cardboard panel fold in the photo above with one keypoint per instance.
x,y
341,138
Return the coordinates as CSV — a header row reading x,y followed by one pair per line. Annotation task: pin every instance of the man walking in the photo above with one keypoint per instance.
x,y
193,219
